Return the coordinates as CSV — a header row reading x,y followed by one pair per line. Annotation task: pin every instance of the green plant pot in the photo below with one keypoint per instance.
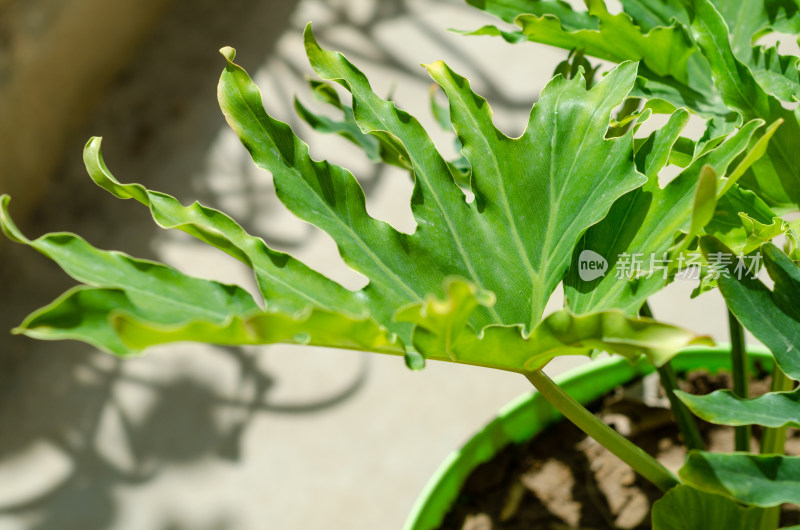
x,y
530,414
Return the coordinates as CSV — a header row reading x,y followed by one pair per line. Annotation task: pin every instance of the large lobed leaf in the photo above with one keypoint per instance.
x,y
534,198
534,195
284,282
127,304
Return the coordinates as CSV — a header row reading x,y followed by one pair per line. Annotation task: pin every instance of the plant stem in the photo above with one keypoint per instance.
x,y
774,438
627,451
741,377
770,518
683,416
772,442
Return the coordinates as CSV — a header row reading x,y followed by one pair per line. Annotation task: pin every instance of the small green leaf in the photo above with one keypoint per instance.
x,y
377,149
777,74
757,480
346,128
573,64
770,315
743,222
686,508
723,407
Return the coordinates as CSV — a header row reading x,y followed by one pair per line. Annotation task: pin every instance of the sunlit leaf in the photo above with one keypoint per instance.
x,y
665,50
509,10
452,236
285,282
775,176
314,327
534,196
442,326
743,222
151,290
640,230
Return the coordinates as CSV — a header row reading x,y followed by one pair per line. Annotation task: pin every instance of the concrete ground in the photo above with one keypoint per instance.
x,y
193,437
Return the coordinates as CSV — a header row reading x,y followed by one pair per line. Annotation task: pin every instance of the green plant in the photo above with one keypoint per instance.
x,y
571,201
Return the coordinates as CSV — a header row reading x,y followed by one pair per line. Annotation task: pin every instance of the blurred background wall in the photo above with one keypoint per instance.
x,y
56,57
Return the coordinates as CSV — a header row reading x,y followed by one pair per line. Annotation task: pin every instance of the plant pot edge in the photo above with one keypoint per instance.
x,y
529,414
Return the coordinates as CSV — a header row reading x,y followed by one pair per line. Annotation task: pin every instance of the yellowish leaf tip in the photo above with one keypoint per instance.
x,y
228,52
308,38
7,226
434,66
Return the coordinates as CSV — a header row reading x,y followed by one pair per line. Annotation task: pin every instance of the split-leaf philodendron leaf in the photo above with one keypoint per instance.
x,y
535,196
665,50
643,224
714,67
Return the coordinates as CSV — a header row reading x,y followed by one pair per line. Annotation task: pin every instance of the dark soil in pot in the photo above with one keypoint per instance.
x,y
563,480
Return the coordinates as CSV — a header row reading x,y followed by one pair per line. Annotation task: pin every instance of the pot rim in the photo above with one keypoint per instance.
x,y
513,422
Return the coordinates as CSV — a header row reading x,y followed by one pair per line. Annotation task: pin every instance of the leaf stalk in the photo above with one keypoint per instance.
x,y
772,442
741,378
624,449
683,416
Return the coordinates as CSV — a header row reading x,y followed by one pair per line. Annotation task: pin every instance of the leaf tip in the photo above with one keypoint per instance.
x,y
308,38
94,143
228,52
7,226
414,361
436,66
